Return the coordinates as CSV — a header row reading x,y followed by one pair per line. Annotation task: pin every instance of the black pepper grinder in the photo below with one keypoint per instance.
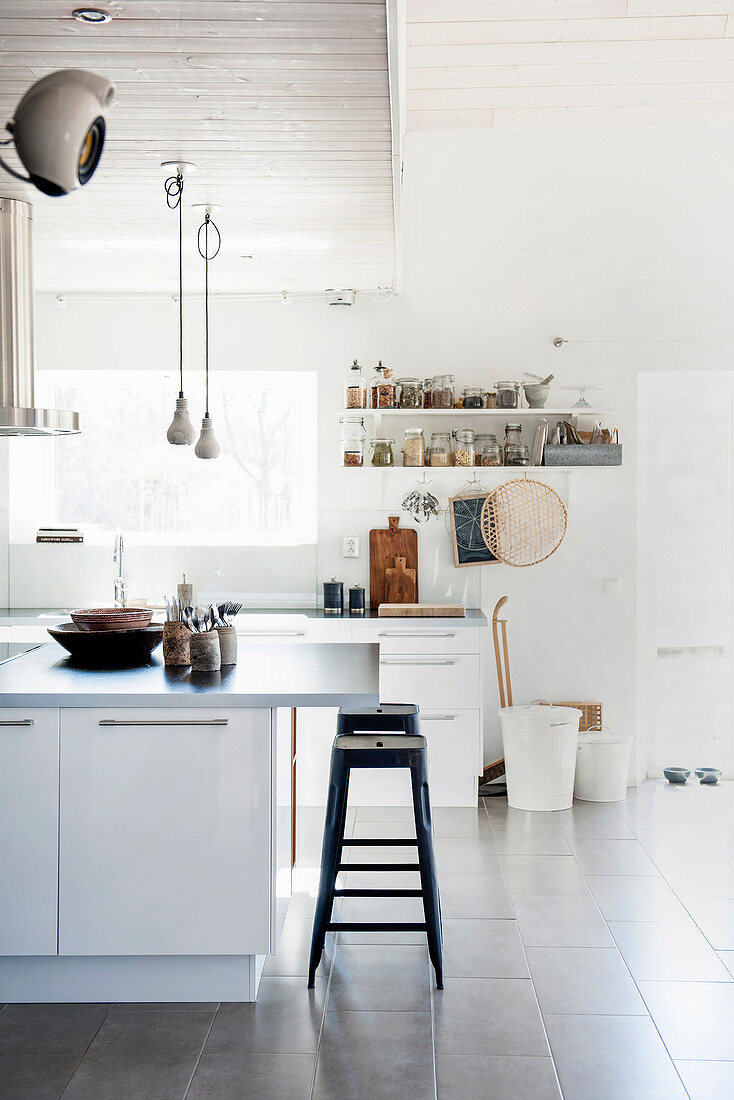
x,y
333,597
356,600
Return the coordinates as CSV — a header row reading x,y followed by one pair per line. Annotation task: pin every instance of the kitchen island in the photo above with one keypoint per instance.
x,y
145,817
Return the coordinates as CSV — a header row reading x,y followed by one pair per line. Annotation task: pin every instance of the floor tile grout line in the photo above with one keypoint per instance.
x,y
326,1006
203,1047
86,1051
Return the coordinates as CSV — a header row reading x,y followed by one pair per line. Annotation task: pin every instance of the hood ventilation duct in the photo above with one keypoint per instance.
x,y
18,415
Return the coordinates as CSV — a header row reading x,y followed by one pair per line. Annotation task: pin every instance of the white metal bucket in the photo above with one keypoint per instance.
x,y
540,755
602,766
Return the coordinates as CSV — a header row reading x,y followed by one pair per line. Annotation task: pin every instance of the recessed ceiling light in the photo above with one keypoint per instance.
x,y
91,15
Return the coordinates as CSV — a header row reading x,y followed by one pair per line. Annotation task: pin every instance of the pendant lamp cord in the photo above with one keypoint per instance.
x,y
174,194
204,253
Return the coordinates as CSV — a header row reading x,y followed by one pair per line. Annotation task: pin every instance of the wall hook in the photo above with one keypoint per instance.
x,y
559,341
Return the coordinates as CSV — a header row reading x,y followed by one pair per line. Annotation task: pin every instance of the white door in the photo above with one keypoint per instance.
x,y
29,792
166,838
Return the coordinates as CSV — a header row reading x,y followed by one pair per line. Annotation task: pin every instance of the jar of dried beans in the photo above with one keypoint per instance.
x,y
382,452
383,390
487,450
473,397
464,449
352,438
508,395
411,393
427,384
441,454
442,392
355,388
414,447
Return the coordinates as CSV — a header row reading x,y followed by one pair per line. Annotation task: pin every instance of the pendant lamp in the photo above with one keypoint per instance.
x,y
181,431
207,446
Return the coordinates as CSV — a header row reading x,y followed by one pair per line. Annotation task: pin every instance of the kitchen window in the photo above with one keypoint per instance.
x,y
120,473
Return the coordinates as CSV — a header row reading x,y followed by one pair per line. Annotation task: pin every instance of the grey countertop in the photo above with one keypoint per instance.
x,y
326,675
22,616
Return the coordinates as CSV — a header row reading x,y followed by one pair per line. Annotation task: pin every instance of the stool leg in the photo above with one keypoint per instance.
x,y
336,812
429,879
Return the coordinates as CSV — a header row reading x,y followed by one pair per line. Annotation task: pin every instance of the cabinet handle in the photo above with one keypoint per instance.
x,y
18,722
416,634
164,722
437,717
271,633
446,661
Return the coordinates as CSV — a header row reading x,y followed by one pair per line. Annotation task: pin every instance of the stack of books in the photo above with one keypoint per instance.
x,y
59,534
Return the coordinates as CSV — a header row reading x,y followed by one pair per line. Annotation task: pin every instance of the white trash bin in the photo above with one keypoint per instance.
x,y
602,766
540,755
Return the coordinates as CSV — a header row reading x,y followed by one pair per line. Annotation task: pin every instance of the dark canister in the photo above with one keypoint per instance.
x,y
333,597
356,600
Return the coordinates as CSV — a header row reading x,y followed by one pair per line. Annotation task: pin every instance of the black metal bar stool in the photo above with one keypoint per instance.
x,y
377,737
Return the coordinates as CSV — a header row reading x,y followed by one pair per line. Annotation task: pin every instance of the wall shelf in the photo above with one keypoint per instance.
x,y
476,412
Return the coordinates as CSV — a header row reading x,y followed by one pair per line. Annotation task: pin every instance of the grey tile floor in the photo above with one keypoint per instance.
x,y
589,954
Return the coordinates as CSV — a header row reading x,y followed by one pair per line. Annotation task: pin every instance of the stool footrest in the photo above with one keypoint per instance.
x,y
376,893
378,867
357,926
378,842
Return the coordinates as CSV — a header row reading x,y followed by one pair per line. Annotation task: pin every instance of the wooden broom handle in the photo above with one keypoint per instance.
x,y
500,604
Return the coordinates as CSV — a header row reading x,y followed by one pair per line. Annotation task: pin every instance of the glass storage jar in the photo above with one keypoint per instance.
x,y
487,450
414,447
352,438
508,395
513,437
382,452
517,455
473,397
411,393
383,391
441,449
442,391
464,449
355,388
428,382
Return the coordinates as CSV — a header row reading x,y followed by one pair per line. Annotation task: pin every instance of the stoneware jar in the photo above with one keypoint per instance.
x,y
227,644
205,653
176,649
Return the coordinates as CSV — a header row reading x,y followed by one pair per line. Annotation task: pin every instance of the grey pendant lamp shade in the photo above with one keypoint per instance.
x,y
181,431
207,446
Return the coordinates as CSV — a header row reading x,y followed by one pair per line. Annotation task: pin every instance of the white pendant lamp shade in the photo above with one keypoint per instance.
x,y
181,432
207,446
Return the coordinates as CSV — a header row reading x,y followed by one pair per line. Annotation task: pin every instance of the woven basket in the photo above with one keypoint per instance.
x,y
590,714
523,522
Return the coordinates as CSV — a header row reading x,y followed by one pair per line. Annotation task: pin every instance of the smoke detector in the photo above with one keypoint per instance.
x,y
340,297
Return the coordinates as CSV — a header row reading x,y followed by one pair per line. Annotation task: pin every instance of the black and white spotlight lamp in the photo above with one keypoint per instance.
x,y
181,432
208,242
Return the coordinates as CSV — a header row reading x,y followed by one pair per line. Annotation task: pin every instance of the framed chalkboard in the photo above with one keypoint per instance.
x,y
465,516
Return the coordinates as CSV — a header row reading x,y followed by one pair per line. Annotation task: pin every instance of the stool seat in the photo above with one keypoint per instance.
x,y
387,736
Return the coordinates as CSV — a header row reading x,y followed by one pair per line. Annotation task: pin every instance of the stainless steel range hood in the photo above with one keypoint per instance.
x,y
18,415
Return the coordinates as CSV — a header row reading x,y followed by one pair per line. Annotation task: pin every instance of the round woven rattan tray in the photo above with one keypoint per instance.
x,y
523,522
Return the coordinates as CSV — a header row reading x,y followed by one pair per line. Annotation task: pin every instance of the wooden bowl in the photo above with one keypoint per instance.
x,y
112,618
108,648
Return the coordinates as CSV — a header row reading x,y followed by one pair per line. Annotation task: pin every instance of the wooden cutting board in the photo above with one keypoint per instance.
x,y
400,583
422,610
385,547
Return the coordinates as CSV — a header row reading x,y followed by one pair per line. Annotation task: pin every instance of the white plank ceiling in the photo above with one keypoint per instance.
x,y
485,63
283,105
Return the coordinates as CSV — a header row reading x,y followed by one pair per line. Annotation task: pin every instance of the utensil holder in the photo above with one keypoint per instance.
x,y
227,644
176,647
206,655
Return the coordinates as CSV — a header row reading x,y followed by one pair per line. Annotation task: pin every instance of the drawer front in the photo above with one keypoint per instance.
x,y
454,741
419,639
442,682
270,635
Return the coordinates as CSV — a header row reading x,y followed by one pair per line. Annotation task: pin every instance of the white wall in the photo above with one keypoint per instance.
x,y
619,240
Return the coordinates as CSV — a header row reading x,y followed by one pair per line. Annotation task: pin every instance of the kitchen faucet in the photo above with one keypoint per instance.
x,y
120,583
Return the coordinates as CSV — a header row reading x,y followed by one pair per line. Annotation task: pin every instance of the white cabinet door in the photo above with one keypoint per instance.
x,y
29,791
408,639
166,838
448,681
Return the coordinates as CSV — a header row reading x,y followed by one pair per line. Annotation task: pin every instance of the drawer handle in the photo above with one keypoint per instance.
x,y
18,722
271,633
437,717
416,634
446,661
164,722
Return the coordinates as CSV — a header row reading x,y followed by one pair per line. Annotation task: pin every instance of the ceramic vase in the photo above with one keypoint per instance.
x,y
205,652
176,648
227,644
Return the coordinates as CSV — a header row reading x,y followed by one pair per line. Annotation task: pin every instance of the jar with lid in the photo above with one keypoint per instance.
x,y
427,384
513,448
352,438
411,393
464,449
383,391
382,452
355,388
508,395
473,397
487,449
442,391
414,447
441,454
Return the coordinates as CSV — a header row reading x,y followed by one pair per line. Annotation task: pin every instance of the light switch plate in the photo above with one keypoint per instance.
x,y
350,546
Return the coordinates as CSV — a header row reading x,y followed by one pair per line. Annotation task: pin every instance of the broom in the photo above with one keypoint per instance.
x,y
502,661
